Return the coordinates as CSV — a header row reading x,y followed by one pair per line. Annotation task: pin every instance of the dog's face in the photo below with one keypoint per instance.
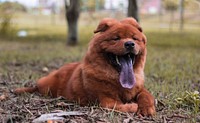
x,y
121,42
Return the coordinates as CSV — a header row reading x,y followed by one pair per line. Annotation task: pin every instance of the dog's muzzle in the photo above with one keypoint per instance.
x,y
129,45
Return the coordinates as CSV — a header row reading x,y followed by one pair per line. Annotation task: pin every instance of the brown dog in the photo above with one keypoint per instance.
x,y
111,73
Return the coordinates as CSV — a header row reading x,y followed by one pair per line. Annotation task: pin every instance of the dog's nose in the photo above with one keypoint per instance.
x,y
129,45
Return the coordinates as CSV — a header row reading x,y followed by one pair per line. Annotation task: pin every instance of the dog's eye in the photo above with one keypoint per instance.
x,y
116,38
134,38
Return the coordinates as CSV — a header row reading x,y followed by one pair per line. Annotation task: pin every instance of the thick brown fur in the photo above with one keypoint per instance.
x,y
94,79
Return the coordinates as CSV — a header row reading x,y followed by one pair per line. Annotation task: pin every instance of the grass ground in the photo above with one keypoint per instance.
x,y
172,74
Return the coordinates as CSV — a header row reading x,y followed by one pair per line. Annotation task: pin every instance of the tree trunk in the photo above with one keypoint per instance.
x,y
133,9
72,14
160,12
171,20
53,13
181,7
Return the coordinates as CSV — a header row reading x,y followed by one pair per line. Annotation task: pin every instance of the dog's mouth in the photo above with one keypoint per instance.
x,y
124,65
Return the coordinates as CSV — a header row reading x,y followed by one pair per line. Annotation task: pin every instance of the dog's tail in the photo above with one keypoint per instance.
x,y
25,90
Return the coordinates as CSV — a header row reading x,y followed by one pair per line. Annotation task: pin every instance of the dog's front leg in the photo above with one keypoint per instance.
x,y
118,105
145,103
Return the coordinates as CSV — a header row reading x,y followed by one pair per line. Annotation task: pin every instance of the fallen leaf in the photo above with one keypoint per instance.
x,y
1,110
128,120
3,97
63,104
45,69
56,116
54,121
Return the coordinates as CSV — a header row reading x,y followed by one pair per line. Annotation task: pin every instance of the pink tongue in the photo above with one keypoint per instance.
x,y
127,78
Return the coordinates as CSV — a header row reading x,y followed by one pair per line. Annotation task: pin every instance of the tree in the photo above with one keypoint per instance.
x,y
72,8
133,9
181,7
171,6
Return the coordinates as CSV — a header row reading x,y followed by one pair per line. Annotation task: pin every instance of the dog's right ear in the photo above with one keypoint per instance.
x,y
105,24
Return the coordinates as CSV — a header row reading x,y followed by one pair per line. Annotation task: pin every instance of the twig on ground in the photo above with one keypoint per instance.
x,y
179,116
28,111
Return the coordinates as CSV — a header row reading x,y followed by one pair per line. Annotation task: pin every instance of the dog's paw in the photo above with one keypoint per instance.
x,y
146,110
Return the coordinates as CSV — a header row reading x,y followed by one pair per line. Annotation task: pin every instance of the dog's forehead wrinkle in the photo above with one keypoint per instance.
x,y
123,33
127,30
122,30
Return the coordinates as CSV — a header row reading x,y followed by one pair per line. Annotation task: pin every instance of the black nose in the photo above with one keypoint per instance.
x,y
129,45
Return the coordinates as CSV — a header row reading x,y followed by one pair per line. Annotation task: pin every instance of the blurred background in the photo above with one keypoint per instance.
x,y
48,18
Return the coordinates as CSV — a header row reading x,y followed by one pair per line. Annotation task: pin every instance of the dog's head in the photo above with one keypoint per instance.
x,y
122,43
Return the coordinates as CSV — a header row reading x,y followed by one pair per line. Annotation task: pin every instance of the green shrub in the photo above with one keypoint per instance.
x,y
6,27
189,100
12,6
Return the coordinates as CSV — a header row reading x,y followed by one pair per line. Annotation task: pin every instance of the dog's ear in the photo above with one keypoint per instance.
x,y
132,22
105,24
144,38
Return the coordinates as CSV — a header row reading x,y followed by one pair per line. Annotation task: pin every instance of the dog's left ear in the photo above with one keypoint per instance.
x,y
144,39
105,24
132,22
